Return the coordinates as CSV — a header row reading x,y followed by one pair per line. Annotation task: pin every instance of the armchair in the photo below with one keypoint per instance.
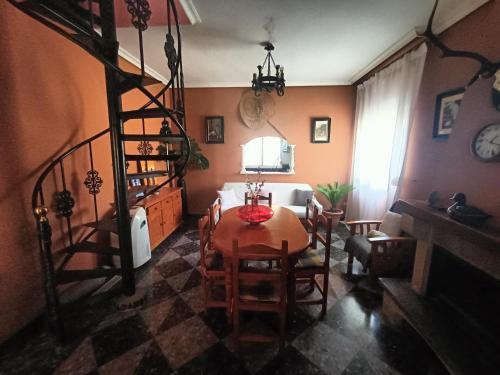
x,y
381,255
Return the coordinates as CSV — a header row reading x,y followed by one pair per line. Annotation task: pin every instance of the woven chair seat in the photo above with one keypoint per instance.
x,y
311,258
259,291
214,261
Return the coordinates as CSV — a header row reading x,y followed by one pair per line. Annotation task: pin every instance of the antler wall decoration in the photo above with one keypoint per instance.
x,y
487,69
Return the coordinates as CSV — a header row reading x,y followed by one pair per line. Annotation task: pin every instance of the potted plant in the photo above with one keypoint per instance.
x,y
196,158
334,194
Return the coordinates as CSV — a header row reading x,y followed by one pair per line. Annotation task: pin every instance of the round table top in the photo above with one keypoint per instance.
x,y
284,225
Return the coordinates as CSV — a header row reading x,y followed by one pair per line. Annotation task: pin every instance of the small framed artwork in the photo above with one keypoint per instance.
x,y
446,112
320,129
214,129
135,182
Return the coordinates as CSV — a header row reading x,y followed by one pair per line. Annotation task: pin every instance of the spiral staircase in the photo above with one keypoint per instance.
x,y
91,25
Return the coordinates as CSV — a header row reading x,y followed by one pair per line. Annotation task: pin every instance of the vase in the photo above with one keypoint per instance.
x,y
254,213
335,214
255,201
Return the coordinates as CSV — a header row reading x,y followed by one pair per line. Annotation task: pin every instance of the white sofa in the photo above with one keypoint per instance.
x,y
284,194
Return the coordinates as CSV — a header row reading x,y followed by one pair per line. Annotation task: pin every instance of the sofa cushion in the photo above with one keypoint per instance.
x,y
228,199
391,224
300,211
283,192
301,196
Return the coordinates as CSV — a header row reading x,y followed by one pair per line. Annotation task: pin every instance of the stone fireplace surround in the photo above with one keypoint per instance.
x,y
455,325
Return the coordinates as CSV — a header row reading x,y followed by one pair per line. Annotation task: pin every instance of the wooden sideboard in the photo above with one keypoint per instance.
x,y
164,212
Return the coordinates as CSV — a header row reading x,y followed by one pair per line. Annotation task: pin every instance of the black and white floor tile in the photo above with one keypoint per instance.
x,y
171,334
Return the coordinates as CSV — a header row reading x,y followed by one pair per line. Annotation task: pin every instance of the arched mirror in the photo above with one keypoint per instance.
x,y
268,155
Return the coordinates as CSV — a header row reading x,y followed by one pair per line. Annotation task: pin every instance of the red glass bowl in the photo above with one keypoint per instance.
x,y
255,214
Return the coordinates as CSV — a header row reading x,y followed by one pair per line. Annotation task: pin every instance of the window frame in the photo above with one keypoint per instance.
x,y
244,170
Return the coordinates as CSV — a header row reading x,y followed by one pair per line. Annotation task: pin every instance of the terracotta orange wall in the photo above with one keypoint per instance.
x,y
448,166
314,163
53,97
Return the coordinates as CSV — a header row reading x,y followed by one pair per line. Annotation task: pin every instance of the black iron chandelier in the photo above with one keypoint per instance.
x,y
269,82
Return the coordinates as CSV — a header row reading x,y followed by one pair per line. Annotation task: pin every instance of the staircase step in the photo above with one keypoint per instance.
x,y
133,176
94,247
63,15
106,225
173,138
146,113
69,276
128,82
100,45
171,157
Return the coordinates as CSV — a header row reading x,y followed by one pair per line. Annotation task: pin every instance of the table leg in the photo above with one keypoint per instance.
x,y
229,288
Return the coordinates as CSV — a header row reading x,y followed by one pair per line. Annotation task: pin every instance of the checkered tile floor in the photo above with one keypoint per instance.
x,y
171,333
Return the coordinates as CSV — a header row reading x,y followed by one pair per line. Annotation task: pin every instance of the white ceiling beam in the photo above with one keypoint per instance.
x,y
122,52
190,11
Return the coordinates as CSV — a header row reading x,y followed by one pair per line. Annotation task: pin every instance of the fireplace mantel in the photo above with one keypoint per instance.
x,y
478,247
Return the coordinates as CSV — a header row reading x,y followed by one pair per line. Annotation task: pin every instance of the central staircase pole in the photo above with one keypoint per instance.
x,y
116,130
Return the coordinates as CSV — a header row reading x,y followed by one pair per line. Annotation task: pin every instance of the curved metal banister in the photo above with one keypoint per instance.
x,y
56,161
153,99
68,20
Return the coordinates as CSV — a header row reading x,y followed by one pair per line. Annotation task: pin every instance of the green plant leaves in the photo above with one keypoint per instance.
x,y
196,158
334,193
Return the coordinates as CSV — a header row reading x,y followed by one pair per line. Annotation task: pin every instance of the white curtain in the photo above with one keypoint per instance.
x,y
384,114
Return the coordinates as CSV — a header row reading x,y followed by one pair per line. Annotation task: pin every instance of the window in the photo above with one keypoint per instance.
x,y
267,155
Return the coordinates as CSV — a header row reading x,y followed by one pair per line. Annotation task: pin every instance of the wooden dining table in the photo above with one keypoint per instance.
x,y
284,225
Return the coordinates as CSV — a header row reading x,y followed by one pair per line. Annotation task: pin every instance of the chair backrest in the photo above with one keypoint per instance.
x,y
311,210
276,275
268,198
215,213
205,236
322,226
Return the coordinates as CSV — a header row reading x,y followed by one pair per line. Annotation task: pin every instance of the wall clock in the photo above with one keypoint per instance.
x,y
486,143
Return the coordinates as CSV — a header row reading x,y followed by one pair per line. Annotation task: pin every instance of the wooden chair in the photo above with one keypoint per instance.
x,y
215,213
268,198
381,256
211,265
259,289
308,220
312,263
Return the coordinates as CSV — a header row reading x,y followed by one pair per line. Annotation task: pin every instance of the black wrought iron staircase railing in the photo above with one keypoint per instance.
x,y
91,25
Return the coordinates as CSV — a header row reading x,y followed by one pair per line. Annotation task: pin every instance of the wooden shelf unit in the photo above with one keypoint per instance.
x,y
164,212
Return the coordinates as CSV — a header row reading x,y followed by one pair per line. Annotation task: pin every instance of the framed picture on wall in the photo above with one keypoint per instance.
x,y
135,182
446,112
214,129
320,129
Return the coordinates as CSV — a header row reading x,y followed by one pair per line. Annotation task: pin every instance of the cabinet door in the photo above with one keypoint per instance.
x,y
168,215
155,224
177,208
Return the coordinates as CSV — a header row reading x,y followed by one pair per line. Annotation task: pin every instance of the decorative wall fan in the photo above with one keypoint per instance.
x,y
255,111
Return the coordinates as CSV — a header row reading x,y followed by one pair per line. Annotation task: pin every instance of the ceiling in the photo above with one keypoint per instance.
x,y
320,42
